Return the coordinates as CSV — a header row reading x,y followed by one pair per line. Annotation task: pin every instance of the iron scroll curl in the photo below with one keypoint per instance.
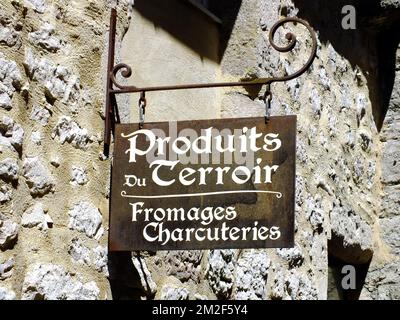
x,y
126,71
292,43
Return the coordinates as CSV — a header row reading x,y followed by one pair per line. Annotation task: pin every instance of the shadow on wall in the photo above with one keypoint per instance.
x,y
371,46
227,11
124,279
185,28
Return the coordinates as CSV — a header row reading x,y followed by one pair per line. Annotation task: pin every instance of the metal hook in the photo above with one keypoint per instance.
x,y
142,108
267,100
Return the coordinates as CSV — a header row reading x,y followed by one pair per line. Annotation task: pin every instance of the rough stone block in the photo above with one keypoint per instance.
x,y
53,282
85,217
36,216
8,234
38,177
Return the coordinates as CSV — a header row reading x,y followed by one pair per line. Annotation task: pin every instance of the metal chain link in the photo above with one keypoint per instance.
x,y
142,109
267,100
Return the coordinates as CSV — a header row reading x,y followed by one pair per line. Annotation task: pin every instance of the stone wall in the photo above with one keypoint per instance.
x,y
54,180
383,281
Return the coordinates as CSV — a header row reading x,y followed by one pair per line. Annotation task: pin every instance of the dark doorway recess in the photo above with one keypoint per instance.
x,y
335,278
341,254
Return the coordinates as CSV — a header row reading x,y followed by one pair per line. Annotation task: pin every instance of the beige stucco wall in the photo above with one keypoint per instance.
x,y
165,51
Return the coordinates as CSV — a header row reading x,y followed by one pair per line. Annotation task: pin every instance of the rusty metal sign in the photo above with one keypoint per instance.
x,y
226,183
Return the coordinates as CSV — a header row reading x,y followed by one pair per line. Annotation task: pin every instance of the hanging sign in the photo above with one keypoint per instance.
x,y
207,184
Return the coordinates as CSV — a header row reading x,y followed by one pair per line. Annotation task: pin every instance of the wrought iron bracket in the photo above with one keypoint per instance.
x,y
114,88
